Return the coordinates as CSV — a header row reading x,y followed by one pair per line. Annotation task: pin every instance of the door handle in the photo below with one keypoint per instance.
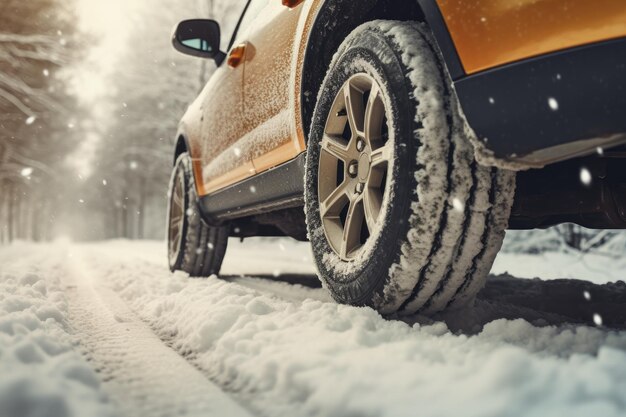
x,y
292,3
236,55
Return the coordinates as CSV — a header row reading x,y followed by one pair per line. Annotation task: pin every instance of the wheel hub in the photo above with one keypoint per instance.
x,y
357,148
364,167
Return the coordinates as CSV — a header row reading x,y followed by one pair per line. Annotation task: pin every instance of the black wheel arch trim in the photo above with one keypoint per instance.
x,y
551,107
181,146
438,26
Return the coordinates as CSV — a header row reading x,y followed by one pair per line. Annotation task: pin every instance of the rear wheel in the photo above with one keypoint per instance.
x,y
193,246
399,214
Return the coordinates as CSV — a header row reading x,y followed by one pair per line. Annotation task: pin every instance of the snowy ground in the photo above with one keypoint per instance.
x,y
104,329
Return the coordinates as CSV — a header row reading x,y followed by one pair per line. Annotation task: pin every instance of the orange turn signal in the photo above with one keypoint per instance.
x,y
236,55
291,3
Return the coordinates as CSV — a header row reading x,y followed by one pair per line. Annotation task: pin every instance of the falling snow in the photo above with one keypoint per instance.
x,y
597,319
553,103
458,205
585,176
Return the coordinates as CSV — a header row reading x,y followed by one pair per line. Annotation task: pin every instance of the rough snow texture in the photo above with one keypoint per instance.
x,y
286,349
40,372
293,354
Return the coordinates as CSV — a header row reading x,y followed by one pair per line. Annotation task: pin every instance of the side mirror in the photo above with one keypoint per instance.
x,y
199,37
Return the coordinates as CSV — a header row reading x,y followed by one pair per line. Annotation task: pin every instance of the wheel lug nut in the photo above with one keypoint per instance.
x,y
360,145
353,168
359,188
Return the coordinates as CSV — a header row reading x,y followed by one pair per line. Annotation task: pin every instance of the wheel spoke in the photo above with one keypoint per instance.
x,y
352,228
382,155
336,201
372,202
374,114
178,198
177,242
334,147
354,109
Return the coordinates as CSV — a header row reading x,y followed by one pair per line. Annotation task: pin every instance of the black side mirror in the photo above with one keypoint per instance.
x,y
199,37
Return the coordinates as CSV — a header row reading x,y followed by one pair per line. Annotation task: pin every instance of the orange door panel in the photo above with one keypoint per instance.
x,y
488,33
222,102
268,113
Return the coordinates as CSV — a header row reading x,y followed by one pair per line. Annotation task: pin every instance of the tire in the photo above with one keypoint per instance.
x,y
193,246
442,217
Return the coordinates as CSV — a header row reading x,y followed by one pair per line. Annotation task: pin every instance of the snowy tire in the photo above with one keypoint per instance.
x,y
193,246
438,218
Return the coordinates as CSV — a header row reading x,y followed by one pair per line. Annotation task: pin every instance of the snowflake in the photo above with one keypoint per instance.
x,y
458,205
585,176
553,103
597,319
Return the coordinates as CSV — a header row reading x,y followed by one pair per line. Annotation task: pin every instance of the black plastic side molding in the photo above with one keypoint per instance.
x,y
278,188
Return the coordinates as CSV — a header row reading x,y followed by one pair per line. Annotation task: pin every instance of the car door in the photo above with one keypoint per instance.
x,y
223,124
268,113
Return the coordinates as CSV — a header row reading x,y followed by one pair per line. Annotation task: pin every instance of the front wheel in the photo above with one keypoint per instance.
x,y
399,214
193,246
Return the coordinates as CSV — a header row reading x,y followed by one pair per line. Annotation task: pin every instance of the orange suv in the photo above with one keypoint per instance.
x,y
391,135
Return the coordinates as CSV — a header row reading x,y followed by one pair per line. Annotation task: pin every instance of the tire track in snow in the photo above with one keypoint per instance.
x,y
141,374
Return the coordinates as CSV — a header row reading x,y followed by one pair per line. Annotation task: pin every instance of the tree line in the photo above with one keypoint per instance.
x,y
36,43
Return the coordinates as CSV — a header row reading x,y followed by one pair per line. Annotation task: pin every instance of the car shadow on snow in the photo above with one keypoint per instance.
x,y
542,303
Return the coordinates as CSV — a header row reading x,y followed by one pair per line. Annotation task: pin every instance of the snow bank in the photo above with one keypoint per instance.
x,y
40,372
281,354
597,268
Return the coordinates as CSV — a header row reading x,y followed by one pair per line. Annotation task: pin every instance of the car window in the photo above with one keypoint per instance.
x,y
228,14
255,7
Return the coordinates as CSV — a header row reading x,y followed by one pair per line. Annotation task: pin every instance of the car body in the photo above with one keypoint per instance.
x,y
540,83
511,64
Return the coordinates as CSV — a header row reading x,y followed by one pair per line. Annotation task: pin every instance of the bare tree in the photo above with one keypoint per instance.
x,y
34,109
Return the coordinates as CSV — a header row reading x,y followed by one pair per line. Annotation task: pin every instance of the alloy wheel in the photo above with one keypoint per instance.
x,y
355,159
176,217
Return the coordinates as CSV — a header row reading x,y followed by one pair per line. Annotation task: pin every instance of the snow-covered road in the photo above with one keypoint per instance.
x,y
104,329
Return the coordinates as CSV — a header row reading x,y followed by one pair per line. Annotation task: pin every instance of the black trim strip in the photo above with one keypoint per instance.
x,y
276,189
236,31
438,26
